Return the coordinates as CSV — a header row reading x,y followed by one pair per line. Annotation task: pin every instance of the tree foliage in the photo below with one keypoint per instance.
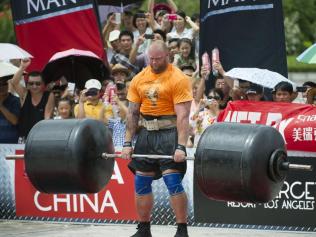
x,y
6,24
299,19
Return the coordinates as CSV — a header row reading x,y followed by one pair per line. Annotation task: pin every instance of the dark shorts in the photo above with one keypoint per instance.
x,y
162,142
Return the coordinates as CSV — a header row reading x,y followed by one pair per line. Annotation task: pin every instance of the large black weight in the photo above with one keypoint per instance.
x,y
64,156
240,162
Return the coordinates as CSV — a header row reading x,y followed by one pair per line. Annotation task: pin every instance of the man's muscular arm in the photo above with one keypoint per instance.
x,y
132,121
131,126
183,112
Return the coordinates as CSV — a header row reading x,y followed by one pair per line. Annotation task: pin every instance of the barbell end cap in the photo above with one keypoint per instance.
x,y
300,167
297,167
14,157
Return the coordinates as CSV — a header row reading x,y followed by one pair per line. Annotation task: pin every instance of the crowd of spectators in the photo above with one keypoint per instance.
x,y
126,43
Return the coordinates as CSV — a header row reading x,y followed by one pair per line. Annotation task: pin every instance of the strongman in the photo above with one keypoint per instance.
x,y
162,95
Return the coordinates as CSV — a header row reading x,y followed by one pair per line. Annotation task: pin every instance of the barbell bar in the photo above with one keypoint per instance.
x,y
284,166
239,162
108,156
113,156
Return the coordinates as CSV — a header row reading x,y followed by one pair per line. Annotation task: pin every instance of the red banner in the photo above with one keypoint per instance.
x,y
46,27
296,122
114,202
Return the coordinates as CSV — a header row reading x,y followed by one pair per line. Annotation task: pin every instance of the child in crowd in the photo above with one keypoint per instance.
x,y
64,109
185,56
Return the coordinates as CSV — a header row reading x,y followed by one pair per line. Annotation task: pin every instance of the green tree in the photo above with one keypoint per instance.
x,y
305,11
6,24
188,6
293,35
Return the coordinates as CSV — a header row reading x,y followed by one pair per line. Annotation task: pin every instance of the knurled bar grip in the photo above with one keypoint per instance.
x,y
108,156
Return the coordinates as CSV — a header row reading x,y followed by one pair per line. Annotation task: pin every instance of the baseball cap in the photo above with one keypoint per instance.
x,y
254,89
93,83
114,35
120,68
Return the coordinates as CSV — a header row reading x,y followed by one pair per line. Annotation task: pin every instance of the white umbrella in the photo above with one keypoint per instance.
x,y
7,69
258,76
12,51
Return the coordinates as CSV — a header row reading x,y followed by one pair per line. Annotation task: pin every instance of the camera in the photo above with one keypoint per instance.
x,y
172,17
92,92
149,36
301,89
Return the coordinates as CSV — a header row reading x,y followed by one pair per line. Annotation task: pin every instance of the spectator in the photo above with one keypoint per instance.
x,y
37,104
254,92
187,69
198,88
173,46
110,26
118,124
157,35
64,108
122,93
207,112
90,105
126,41
283,92
221,84
120,73
311,96
180,30
160,11
114,44
9,114
160,16
186,54
140,21
308,85
127,21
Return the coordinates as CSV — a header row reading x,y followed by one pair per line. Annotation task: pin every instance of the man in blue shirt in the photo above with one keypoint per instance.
x,y
9,114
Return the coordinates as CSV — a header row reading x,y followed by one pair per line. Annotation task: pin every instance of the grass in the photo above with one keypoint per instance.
x,y
295,66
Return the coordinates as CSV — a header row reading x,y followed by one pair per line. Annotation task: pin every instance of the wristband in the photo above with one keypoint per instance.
x,y
127,144
182,148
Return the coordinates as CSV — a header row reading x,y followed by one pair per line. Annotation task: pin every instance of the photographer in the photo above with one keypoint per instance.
x,y
90,105
206,112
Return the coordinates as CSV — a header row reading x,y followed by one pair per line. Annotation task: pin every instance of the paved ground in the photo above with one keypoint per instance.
x,y
37,229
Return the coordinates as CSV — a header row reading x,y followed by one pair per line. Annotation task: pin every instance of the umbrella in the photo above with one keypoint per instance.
x,y
258,76
76,66
308,56
12,51
7,69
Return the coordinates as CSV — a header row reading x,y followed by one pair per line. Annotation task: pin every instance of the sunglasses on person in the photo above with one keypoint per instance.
x,y
36,83
215,97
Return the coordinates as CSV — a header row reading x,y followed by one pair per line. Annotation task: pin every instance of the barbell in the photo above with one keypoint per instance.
x,y
240,162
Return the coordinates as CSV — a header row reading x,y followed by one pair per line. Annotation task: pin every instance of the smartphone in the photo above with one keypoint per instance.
x,y
149,36
117,17
172,17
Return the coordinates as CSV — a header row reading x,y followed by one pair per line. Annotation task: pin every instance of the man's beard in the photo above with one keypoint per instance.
x,y
160,69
